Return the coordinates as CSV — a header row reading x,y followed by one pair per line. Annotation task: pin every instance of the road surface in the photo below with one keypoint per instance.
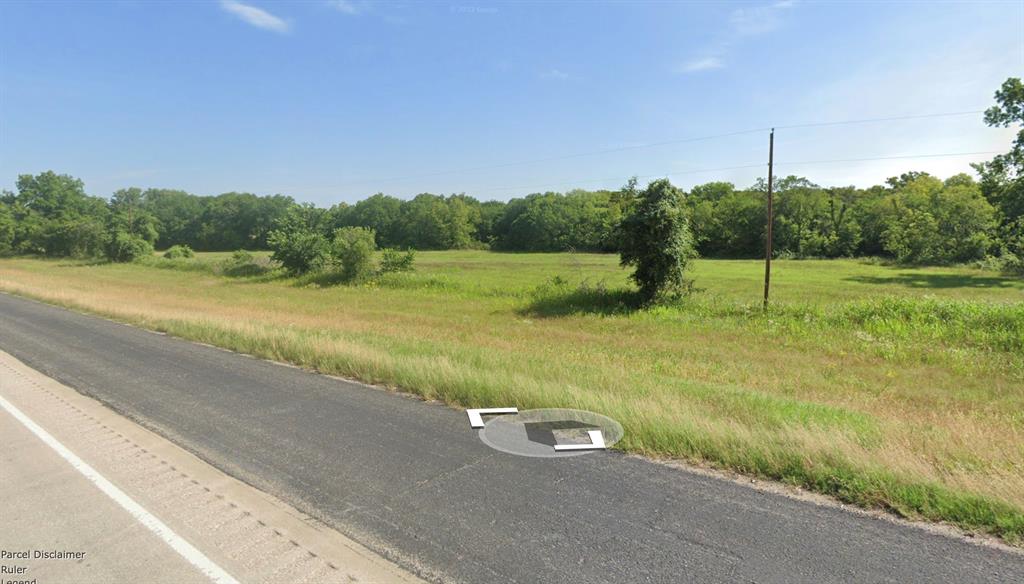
x,y
89,497
412,482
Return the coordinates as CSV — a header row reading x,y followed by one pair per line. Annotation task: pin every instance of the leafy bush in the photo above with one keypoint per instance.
x,y
177,252
125,247
242,263
392,260
353,249
1006,262
298,251
939,223
656,239
82,237
7,230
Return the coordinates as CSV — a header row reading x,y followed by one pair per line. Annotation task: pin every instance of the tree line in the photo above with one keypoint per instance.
x,y
913,218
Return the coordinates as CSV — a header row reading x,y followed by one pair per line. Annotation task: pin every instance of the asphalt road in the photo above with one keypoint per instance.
x,y
411,481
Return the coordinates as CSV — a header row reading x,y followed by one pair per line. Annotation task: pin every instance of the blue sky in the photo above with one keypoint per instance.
x,y
333,101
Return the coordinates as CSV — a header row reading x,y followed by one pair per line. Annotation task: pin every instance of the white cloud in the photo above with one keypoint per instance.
x,y
554,74
256,16
758,20
346,6
705,64
743,23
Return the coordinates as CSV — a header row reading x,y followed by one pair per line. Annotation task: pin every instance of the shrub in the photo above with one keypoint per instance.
x,y
177,252
656,239
299,251
83,237
353,249
243,263
125,247
392,260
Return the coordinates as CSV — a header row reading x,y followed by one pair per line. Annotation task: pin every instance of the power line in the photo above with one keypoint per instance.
x,y
739,167
874,120
556,158
593,180
950,154
657,144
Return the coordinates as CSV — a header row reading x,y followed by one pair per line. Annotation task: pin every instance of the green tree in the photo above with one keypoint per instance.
x,y
80,237
352,248
490,213
936,222
1002,178
705,222
580,220
52,195
392,260
126,247
7,227
424,223
380,213
128,214
179,252
462,222
912,236
178,216
296,241
740,218
53,215
872,209
800,211
656,241
841,233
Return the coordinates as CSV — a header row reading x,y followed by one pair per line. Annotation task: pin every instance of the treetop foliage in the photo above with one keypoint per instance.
x,y
913,217
656,240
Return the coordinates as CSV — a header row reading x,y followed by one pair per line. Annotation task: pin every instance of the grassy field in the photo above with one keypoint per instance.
x,y
887,387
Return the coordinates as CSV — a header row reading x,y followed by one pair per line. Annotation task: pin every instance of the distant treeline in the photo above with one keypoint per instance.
x,y
914,218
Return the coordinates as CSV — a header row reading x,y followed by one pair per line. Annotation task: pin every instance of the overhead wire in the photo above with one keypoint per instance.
x,y
746,166
654,145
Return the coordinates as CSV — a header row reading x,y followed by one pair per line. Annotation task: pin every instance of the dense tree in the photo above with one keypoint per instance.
x,y
841,233
578,220
178,216
486,228
740,218
352,250
1002,178
239,220
379,213
936,222
128,214
53,215
656,240
424,223
126,247
52,195
7,227
297,241
913,217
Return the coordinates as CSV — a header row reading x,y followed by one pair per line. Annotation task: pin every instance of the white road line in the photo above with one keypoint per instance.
x,y
187,551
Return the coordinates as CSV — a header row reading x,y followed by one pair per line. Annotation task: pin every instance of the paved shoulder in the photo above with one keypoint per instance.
x,y
88,496
410,481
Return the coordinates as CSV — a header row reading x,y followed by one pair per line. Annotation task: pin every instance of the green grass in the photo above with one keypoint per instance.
x,y
886,387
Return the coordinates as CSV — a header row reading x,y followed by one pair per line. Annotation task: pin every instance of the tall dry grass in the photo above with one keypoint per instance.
x,y
895,399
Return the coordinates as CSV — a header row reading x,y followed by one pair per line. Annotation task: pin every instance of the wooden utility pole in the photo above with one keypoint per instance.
x,y
771,213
